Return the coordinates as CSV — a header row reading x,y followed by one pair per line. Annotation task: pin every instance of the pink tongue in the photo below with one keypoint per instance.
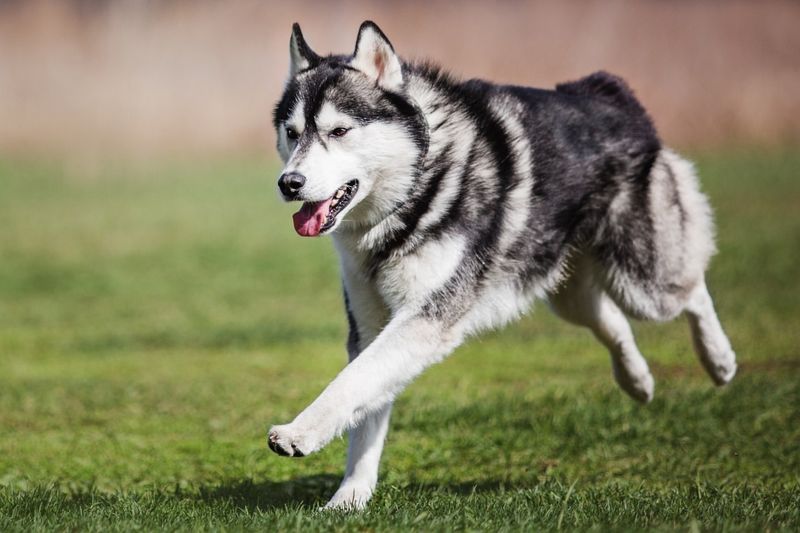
x,y
309,220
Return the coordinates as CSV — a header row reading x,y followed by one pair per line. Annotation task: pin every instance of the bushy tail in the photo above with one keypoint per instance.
x,y
605,86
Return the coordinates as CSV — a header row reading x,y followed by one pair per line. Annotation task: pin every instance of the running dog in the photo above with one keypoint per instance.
x,y
454,204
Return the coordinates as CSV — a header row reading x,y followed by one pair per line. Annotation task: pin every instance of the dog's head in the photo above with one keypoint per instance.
x,y
350,137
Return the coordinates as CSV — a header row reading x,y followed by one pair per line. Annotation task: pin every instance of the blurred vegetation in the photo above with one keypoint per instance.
x,y
87,77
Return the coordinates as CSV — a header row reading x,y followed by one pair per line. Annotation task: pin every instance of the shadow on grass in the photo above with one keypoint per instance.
x,y
312,492
307,491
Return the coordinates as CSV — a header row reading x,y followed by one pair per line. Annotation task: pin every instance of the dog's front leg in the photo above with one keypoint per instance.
x,y
369,383
363,459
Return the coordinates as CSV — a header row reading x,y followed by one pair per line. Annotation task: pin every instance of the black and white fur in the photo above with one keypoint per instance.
x,y
472,200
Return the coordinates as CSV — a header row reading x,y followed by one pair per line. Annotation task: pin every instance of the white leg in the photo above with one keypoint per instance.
x,y
582,302
710,342
401,352
365,441
363,459
631,372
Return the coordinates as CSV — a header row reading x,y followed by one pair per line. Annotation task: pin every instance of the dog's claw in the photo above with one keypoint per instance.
x,y
275,447
280,449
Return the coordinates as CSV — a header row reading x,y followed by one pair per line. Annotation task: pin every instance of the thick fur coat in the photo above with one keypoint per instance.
x,y
454,204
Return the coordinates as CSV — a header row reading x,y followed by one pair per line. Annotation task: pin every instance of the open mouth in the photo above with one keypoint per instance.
x,y
315,218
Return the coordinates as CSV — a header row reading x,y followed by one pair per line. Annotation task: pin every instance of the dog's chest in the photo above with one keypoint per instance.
x,y
411,279
407,279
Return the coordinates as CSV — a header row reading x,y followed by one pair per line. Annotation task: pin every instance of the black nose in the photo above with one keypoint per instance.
x,y
290,183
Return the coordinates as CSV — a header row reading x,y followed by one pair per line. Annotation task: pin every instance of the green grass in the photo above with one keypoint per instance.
x,y
154,321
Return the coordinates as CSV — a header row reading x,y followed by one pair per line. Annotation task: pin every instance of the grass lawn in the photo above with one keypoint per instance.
x,y
154,321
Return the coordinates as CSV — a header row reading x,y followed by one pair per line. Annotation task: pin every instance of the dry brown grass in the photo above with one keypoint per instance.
x,y
201,77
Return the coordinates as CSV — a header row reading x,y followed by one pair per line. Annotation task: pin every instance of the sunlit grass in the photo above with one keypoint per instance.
x,y
154,321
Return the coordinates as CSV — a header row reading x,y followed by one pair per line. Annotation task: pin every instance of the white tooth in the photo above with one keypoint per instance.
x,y
339,193
334,202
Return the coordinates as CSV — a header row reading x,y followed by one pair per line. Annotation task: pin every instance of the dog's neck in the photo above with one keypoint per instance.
x,y
367,232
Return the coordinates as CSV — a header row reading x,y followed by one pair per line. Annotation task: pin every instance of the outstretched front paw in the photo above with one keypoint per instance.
x,y
284,440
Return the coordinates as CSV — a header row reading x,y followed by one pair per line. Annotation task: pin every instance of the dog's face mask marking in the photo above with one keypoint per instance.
x,y
344,125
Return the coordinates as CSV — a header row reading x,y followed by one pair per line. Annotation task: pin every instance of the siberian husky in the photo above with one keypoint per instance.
x,y
454,204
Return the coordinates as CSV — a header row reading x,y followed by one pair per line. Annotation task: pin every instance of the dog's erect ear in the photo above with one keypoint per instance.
x,y
301,56
375,57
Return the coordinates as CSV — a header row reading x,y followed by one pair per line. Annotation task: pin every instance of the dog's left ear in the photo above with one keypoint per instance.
x,y
301,56
375,57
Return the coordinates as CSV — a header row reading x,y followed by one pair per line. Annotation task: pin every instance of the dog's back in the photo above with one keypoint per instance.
x,y
600,184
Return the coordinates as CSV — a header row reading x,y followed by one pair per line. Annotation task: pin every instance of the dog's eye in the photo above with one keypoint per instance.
x,y
339,132
291,133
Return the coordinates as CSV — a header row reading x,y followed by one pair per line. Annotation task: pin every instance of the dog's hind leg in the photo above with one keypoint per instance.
x,y
582,301
710,342
657,271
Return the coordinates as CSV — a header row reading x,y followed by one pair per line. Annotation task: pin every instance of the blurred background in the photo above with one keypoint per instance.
x,y
158,312
141,78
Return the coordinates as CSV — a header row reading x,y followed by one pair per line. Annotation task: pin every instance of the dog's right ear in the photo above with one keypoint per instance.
x,y
301,56
375,57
